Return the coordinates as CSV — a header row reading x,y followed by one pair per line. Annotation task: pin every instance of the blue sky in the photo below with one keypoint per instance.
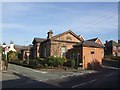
x,y
22,21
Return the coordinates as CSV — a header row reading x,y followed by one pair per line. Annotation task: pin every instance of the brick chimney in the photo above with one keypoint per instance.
x,y
50,34
106,41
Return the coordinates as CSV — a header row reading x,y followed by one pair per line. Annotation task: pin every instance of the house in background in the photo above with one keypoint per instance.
x,y
112,48
86,52
8,48
26,50
11,47
36,46
55,45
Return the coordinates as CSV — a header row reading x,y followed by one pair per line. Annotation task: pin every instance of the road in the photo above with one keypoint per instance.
x,y
18,75
21,77
108,78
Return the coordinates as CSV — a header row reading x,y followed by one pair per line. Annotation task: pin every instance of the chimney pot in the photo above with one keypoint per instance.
x,y
50,34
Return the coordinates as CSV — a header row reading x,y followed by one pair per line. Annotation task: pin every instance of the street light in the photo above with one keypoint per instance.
x,y
28,54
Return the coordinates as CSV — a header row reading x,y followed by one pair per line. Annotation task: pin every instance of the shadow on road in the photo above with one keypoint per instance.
x,y
25,82
70,81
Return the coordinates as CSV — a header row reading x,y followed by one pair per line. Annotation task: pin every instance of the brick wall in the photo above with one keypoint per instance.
x,y
88,57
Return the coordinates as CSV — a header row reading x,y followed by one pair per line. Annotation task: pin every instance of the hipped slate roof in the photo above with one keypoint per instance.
x,y
88,44
93,39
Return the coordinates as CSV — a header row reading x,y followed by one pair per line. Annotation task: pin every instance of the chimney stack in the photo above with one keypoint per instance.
x,y
50,34
106,41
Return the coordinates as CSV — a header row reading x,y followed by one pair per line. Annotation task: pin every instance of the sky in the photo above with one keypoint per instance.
x,y
23,21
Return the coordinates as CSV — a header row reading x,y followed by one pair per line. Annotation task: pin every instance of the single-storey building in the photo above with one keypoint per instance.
x,y
86,52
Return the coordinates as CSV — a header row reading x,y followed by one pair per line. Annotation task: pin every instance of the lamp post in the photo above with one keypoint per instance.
x,y
28,54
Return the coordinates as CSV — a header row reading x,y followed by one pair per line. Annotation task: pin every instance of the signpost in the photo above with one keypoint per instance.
x,y
27,53
6,51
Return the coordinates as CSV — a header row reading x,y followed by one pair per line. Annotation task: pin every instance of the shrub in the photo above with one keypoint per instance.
x,y
46,66
42,61
12,55
70,63
34,64
55,61
89,66
96,66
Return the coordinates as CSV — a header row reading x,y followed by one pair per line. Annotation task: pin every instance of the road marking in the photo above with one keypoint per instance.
x,y
63,76
39,80
110,67
40,71
109,75
84,83
78,85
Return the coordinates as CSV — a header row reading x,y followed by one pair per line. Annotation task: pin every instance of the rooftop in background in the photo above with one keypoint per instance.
x,y
93,39
112,43
89,44
11,42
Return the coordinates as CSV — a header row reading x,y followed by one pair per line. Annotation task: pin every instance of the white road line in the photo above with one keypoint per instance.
x,y
39,80
109,75
64,76
40,71
84,83
78,85
92,81
110,67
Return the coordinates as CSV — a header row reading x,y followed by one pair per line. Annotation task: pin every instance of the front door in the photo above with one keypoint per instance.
x,y
79,60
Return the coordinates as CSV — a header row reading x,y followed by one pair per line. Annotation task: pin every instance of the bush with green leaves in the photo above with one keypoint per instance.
x,y
55,61
51,61
35,64
12,55
42,61
70,63
46,65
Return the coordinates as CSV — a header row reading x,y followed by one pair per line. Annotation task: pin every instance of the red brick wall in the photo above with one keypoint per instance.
x,y
88,57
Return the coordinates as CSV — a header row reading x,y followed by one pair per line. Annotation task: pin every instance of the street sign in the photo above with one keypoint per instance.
x,y
6,50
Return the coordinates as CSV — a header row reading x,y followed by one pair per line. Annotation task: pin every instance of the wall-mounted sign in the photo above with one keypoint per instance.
x,y
92,52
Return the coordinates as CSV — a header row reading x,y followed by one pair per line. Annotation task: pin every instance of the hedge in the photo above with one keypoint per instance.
x,y
70,63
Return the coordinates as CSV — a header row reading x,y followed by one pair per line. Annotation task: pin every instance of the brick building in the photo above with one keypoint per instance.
x,y
112,48
86,52
69,45
55,45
